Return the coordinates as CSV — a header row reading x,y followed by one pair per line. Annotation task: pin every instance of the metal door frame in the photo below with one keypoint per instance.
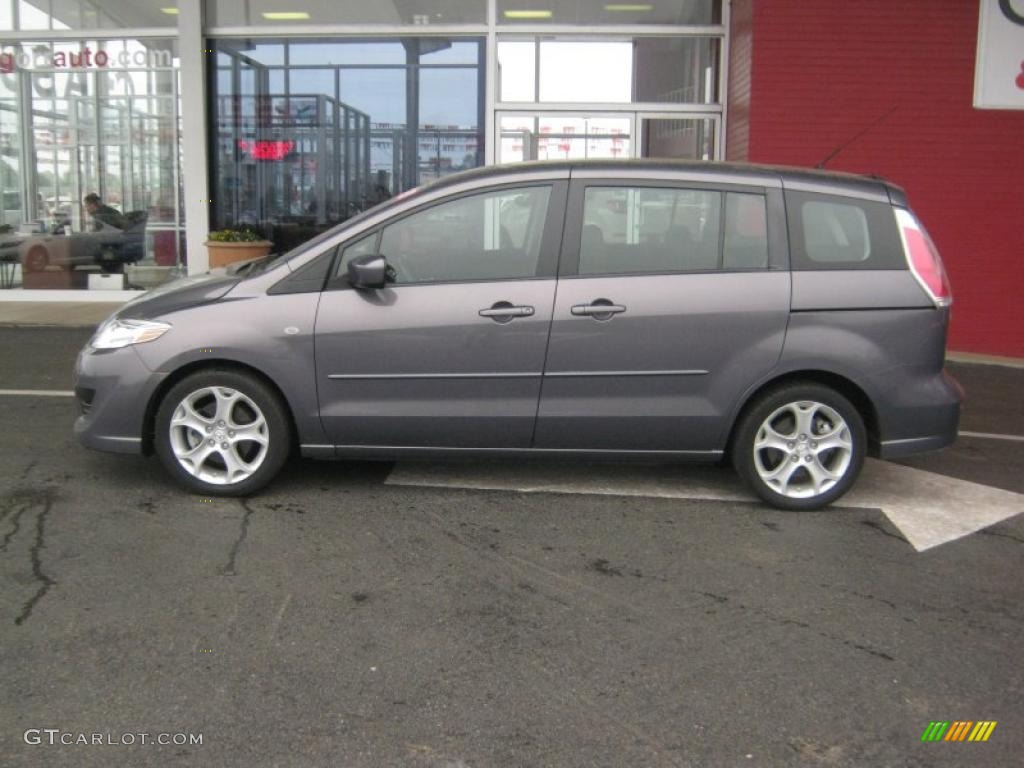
x,y
715,117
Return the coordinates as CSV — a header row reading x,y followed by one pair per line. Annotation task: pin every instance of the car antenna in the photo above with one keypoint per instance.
x,y
844,145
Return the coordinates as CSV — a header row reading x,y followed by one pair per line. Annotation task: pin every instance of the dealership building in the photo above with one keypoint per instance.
x,y
187,116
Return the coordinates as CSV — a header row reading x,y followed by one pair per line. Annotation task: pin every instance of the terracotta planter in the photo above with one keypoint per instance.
x,y
222,254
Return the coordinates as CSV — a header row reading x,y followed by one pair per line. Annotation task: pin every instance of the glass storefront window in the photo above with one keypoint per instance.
x,y
671,137
563,137
607,14
248,13
586,71
27,15
89,160
342,126
657,70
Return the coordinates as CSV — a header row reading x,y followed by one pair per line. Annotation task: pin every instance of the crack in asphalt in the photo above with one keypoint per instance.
x,y
229,569
37,566
15,520
653,744
881,529
1001,535
785,621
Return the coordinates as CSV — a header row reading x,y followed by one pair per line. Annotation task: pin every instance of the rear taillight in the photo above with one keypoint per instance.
x,y
923,258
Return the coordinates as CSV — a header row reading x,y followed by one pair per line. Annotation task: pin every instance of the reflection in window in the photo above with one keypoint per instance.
x,y
657,70
746,232
365,120
689,138
366,246
662,12
84,14
835,232
635,230
246,13
629,230
562,137
92,187
493,236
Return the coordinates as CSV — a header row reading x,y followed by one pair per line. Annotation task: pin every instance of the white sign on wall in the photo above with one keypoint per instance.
x,y
999,70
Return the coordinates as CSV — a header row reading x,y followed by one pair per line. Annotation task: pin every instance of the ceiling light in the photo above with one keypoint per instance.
x,y
169,11
629,7
519,15
285,15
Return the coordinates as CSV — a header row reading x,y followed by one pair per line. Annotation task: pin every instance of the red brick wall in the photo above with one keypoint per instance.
x,y
737,139
821,71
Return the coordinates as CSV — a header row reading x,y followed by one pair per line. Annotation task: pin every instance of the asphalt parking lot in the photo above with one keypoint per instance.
x,y
367,614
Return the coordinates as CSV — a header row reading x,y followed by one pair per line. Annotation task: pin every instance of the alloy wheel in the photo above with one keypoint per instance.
x,y
803,449
219,435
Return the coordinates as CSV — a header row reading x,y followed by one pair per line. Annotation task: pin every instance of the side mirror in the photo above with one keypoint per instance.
x,y
368,272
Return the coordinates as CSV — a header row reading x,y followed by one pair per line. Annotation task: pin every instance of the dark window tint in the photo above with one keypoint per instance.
x,y
832,232
491,236
630,230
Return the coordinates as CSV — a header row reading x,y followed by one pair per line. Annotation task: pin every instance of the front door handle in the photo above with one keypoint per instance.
x,y
599,309
505,311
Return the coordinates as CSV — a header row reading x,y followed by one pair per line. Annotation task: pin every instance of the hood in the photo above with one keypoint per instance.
x,y
180,294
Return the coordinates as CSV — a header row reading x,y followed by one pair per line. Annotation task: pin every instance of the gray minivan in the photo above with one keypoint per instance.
x,y
792,321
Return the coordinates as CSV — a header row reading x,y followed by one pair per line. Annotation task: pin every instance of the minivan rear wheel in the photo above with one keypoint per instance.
x,y
800,446
222,433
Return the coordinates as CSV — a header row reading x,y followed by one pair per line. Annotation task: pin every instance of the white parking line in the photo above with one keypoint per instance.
x,y
37,392
992,436
928,509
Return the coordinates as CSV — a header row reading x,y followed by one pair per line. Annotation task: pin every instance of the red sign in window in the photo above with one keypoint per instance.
x,y
266,150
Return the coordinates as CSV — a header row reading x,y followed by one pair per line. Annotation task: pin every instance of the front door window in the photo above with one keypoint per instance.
x,y
493,236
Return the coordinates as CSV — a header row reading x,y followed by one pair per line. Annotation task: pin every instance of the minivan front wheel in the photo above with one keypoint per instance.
x,y
800,446
222,433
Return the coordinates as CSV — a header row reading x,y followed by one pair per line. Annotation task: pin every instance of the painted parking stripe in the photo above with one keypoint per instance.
x,y
928,509
991,436
37,392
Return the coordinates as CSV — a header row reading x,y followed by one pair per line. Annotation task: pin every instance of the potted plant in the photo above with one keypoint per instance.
x,y
226,246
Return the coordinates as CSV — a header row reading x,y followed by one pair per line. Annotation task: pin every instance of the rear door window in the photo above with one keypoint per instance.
x,y
832,232
636,230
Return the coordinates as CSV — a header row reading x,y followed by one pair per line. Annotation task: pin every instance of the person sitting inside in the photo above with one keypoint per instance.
x,y
103,216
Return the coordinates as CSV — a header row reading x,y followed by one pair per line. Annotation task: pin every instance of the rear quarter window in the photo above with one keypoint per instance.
x,y
842,233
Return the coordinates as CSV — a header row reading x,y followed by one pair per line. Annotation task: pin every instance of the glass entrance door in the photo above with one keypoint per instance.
x,y
681,137
563,136
613,135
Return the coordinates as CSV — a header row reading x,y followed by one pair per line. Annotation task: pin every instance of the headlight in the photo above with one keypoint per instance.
x,y
116,333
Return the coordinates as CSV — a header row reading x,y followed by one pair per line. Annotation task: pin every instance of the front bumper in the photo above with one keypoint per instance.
x,y
113,388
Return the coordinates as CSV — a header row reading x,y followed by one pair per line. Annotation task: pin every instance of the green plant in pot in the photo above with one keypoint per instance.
x,y
227,246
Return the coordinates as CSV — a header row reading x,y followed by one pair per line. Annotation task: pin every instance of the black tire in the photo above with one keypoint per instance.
x,y
745,459
279,437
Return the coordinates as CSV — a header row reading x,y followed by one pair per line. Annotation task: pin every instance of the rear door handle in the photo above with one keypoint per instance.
x,y
599,309
506,311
